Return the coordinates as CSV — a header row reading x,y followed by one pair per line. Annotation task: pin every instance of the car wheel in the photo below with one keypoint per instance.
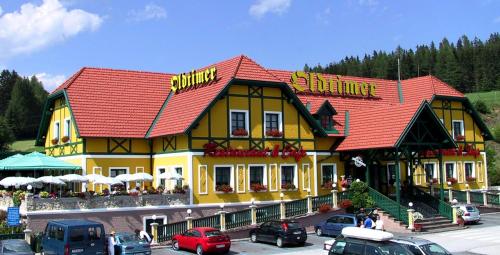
x,y
199,250
279,242
319,232
253,238
175,245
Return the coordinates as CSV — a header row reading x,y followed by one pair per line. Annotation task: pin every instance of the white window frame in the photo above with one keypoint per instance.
x,y
158,179
67,128
231,122
172,169
473,169
454,170
264,178
435,170
462,131
295,176
127,185
137,171
335,176
231,178
144,218
57,129
280,121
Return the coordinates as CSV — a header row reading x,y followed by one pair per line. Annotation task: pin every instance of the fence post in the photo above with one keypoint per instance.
x,y
282,207
450,195
309,202
154,230
467,192
27,235
485,198
334,198
222,215
411,226
454,209
253,214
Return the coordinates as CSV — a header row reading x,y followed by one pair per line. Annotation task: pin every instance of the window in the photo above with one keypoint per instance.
x,y
77,235
67,127
355,249
469,169
239,123
59,234
450,170
57,126
273,121
113,172
223,176
161,180
458,129
288,177
429,171
179,171
334,219
256,175
338,247
95,233
326,121
391,173
328,173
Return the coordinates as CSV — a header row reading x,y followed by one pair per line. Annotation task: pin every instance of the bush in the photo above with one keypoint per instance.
x,y
345,204
360,196
18,197
482,107
44,194
496,133
324,208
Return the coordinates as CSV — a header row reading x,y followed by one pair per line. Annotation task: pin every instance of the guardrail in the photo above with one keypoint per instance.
x,y
270,212
297,207
169,230
396,210
319,200
238,219
210,221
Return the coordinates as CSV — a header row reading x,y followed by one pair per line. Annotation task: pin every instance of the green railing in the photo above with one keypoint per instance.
x,y
169,230
270,212
296,207
459,195
210,221
396,210
238,219
493,199
445,210
343,195
476,197
318,201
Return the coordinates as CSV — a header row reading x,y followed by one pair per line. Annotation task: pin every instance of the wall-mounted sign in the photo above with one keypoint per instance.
x,y
315,83
13,216
211,150
468,150
192,79
358,161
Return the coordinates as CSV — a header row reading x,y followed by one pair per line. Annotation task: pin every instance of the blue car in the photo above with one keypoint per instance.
x,y
334,225
129,243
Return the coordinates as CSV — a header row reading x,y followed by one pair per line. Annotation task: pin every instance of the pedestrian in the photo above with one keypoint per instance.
x,y
379,224
143,235
368,223
111,243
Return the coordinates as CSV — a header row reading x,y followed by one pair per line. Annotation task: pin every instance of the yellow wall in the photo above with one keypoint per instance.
x,y
111,145
169,162
60,113
106,163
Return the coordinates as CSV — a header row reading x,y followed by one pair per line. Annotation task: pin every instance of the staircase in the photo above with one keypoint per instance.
x,y
438,224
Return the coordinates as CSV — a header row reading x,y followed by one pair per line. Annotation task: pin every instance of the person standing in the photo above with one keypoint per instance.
x,y
368,222
111,243
143,235
379,224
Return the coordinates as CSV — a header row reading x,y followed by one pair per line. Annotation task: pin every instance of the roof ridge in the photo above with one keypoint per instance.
x,y
237,66
446,84
263,68
125,70
69,81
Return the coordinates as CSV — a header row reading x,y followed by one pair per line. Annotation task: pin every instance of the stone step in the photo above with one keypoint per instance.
x,y
436,226
443,229
438,218
432,222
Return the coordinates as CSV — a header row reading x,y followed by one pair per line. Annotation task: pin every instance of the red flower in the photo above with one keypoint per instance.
x,y
288,186
344,184
274,133
451,180
459,138
55,141
239,132
471,179
345,203
65,139
327,185
434,180
324,208
224,188
257,187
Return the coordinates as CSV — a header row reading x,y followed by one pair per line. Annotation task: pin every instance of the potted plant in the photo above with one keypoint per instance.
x,y
288,186
224,188
470,179
65,139
343,183
178,189
54,141
256,187
239,132
324,208
327,185
347,206
434,180
417,221
459,138
274,133
460,219
451,180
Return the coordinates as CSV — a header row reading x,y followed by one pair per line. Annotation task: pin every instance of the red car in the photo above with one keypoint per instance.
x,y
202,240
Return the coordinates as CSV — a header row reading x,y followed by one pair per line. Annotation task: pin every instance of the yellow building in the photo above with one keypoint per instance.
x,y
236,131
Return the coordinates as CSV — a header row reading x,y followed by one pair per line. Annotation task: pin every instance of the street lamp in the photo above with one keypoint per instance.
x,y
153,217
189,212
467,186
282,195
221,206
410,204
252,201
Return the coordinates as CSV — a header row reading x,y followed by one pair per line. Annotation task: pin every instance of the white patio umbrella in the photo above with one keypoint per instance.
x,y
93,177
14,181
108,181
49,179
124,177
73,178
141,177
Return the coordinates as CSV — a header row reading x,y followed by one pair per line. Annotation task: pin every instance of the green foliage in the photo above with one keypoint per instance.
x,y
17,197
6,135
496,133
490,98
466,65
493,171
481,107
44,194
360,195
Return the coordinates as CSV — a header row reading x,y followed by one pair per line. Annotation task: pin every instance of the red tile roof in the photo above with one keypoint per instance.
x,y
115,103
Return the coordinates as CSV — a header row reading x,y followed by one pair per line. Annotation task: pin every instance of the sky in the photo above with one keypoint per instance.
x,y
53,39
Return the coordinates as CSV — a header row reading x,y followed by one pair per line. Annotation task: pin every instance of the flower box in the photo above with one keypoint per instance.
x,y
54,141
239,132
459,138
256,187
224,188
274,133
327,185
288,186
434,180
65,139
471,179
451,180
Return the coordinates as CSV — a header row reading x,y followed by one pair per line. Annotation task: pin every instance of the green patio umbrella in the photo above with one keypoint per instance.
x,y
9,160
36,161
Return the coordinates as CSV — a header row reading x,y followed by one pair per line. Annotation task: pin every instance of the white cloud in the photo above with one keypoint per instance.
x,y
35,27
261,7
150,11
49,81
496,20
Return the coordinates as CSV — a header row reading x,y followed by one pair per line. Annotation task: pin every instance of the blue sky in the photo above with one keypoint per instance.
x,y
55,38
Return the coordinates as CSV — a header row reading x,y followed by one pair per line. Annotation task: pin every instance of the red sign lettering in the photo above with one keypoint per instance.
x,y
211,150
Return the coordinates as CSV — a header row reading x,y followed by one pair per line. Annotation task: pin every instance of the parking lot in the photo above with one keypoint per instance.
x,y
314,245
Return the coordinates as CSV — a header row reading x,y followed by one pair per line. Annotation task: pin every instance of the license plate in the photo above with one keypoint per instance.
x,y
297,232
76,250
220,246
139,253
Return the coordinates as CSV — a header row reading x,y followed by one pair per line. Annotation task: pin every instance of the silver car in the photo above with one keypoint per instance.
x,y
419,246
471,213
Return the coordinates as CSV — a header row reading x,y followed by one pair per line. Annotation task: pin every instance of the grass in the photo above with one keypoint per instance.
x,y
25,146
491,98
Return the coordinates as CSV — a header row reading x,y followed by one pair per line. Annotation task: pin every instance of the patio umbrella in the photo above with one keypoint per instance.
x,y
49,179
73,178
14,181
93,177
108,181
124,177
141,177
36,161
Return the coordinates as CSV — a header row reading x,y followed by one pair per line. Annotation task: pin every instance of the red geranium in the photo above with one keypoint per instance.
x,y
274,133
257,187
224,188
239,132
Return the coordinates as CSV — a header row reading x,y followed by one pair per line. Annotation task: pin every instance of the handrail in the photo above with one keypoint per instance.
x,y
397,211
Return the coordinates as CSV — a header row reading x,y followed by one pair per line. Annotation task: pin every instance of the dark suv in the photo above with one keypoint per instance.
x,y
280,232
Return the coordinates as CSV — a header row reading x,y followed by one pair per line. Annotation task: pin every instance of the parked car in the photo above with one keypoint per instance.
x,y
130,243
202,240
471,213
15,247
82,237
419,246
280,232
328,244
334,225
356,240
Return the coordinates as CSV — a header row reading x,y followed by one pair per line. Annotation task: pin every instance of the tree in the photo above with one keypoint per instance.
x,y
23,112
7,81
6,135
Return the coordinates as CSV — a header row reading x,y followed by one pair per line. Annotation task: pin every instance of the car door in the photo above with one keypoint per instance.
x,y
330,225
95,239
194,240
262,232
184,239
77,240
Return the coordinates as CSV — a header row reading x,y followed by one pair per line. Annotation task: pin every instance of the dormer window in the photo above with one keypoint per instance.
x,y
326,122
324,116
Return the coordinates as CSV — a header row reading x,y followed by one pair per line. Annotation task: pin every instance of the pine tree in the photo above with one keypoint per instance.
x,y
23,110
7,81
6,135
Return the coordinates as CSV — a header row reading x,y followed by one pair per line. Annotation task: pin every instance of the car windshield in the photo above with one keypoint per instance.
x,y
213,233
128,238
393,249
434,249
293,225
470,208
16,247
